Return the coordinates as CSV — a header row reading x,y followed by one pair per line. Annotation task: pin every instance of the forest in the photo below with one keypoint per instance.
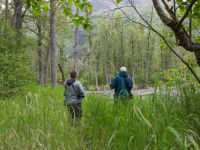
x,y
155,42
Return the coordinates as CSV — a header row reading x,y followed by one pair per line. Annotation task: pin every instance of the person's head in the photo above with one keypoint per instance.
x,y
73,75
123,69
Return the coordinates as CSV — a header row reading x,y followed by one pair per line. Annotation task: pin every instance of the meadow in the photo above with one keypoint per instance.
x,y
39,120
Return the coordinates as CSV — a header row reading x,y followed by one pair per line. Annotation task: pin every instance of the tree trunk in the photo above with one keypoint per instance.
x,y
62,73
132,54
179,31
46,66
76,44
107,68
53,44
6,10
151,56
40,58
122,43
17,20
88,61
62,62
88,54
96,76
147,58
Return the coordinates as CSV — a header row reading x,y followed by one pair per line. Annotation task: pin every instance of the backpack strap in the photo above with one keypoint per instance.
x,y
76,92
125,81
72,86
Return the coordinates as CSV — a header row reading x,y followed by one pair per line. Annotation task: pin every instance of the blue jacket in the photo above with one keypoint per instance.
x,y
122,82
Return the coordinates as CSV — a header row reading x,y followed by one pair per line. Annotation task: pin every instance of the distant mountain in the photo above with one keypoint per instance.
x,y
103,5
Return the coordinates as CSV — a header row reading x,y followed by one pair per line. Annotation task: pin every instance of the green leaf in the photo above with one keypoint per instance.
x,y
118,1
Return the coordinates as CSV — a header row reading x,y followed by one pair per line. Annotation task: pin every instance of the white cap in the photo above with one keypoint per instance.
x,y
123,69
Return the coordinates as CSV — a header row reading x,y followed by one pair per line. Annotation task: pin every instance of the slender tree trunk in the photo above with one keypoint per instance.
x,y
6,10
62,73
53,44
122,43
88,54
162,59
40,58
46,66
88,62
88,58
76,44
151,56
147,58
17,20
107,68
96,76
132,55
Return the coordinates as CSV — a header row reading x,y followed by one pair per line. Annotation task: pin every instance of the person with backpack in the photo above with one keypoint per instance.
x,y
74,93
122,84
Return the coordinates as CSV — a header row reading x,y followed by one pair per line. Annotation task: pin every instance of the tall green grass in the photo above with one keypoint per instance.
x,y
40,121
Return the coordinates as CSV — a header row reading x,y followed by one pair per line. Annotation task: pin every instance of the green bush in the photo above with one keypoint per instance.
x,y
15,72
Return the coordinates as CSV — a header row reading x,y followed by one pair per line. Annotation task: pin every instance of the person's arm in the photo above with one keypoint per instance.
x,y
65,91
81,90
129,83
113,83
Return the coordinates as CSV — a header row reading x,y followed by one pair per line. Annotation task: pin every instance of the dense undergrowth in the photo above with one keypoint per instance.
x,y
39,120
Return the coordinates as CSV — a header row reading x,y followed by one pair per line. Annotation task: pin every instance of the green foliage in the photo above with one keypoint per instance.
x,y
78,19
40,121
40,6
195,11
118,1
15,72
179,78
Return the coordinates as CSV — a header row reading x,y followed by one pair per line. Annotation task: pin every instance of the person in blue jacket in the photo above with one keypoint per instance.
x,y
122,84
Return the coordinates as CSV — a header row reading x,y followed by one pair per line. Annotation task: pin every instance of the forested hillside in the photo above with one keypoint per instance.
x,y
100,74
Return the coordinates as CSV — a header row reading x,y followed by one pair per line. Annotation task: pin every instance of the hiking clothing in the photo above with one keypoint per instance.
x,y
122,84
75,113
74,92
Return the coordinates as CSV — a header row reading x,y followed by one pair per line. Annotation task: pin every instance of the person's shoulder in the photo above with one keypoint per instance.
x,y
117,76
130,78
65,83
77,82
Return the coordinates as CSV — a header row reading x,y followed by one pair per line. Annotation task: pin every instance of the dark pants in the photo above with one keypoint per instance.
x,y
75,113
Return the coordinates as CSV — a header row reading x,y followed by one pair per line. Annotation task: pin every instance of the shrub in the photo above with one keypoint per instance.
x,y
15,72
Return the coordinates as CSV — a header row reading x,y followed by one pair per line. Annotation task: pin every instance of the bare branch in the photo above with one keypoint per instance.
x,y
136,22
164,39
33,31
23,14
174,5
171,13
187,11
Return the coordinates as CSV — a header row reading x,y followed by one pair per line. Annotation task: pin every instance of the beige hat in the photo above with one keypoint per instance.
x,y
123,69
